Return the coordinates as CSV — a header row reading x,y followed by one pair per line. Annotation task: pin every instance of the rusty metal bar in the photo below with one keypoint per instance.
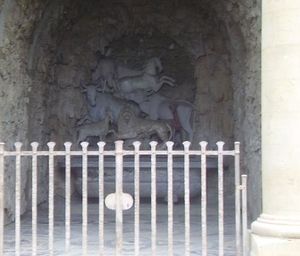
x,y
51,146
153,145
237,198
84,146
68,197
119,192
34,146
187,206
18,146
170,197
137,145
101,145
220,145
2,198
203,145
244,215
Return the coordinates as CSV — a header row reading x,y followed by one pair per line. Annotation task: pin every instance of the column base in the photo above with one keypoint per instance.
x,y
274,236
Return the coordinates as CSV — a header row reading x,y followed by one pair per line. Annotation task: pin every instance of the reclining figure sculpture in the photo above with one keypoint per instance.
x,y
132,127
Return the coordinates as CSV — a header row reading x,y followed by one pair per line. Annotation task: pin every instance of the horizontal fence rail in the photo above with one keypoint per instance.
x,y
120,201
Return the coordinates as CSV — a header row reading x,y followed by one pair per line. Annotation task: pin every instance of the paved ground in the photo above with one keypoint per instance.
x,y
128,229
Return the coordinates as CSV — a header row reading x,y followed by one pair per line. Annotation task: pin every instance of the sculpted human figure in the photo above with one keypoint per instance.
x,y
99,103
107,70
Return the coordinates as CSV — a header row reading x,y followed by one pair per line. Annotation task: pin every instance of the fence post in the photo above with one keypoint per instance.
x,y
2,198
244,214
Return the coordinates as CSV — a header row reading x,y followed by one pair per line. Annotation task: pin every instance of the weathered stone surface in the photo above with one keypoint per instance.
x,y
46,47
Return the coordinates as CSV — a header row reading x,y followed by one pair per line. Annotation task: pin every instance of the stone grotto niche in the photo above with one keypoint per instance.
x,y
132,71
142,85
48,47
149,71
191,56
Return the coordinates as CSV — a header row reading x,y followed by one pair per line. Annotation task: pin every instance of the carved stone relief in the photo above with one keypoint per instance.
x,y
133,99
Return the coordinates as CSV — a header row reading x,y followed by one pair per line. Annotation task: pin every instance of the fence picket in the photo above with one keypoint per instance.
x,y
170,197
137,145
34,146
119,192
68,198
51,199
84,146
186,145
220,145
101,197
203,145
18,146
153,145
237,198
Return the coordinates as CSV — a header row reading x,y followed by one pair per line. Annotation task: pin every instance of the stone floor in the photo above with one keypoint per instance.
x,y
145,219
128,230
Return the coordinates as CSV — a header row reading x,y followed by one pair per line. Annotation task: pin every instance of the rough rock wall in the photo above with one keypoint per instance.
x,y
214,100
16,24
242,20
248,128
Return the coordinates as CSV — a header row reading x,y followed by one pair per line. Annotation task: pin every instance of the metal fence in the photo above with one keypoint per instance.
x,y
119,153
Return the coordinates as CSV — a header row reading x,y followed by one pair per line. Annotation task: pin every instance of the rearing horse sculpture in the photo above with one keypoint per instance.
x,y
119,78
148,81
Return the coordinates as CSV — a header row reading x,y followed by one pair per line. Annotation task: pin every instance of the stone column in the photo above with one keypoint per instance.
x,y
277,230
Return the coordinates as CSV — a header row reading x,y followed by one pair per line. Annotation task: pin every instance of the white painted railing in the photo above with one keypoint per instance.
x,y
118,205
